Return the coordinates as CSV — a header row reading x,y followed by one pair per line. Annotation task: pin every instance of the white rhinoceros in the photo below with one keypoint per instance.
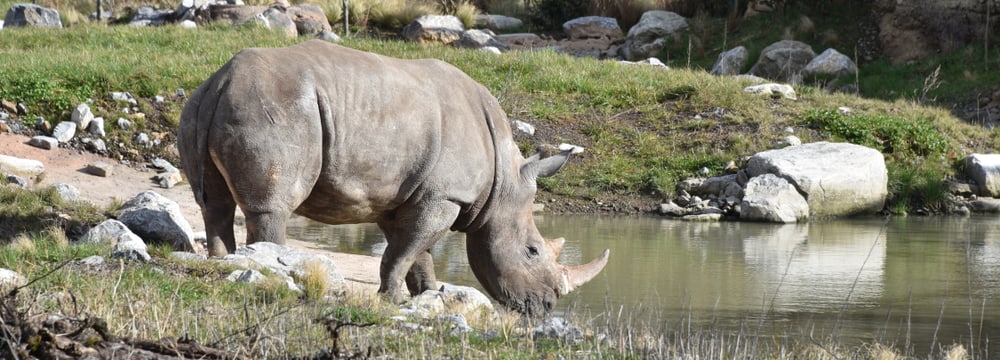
x,y
343,136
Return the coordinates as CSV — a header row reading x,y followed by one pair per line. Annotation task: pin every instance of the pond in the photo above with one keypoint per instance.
x,y
913,282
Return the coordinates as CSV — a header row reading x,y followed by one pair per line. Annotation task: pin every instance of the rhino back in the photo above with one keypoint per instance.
x,y
369,133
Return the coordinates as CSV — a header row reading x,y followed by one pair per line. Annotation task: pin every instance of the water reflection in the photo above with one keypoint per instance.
x,y
899,280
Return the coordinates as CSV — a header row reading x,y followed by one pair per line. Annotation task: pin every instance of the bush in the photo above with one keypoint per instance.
x,y
888,134
549,15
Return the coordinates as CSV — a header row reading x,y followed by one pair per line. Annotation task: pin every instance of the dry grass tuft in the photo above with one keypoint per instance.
x,y
315,282
22,242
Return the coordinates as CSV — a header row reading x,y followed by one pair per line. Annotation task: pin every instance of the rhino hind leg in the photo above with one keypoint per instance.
x,y
421,277
410,232
217,210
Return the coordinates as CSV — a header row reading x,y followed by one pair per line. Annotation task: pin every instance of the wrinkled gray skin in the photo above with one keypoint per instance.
x,y
343,136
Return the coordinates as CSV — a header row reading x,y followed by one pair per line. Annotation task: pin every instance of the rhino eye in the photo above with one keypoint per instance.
x,y
532,251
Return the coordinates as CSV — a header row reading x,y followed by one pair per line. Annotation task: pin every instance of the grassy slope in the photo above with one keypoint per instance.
x,y
644,128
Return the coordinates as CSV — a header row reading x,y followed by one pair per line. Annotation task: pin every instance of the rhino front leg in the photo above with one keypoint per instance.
x,y
410,233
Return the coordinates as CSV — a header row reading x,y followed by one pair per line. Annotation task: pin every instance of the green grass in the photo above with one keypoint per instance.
x,y
644,128
191,300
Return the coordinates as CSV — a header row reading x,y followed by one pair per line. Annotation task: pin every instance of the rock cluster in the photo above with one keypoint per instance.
x,y
789,185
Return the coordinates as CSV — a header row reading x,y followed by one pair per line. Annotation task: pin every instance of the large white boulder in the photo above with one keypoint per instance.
x,y
837,179
770,198
985,170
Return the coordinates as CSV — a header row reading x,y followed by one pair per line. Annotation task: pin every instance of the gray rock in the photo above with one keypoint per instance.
x,y
187,256
790,140
66,191
23,15
444,29
246,276
456,323
168,179
141,139
708,217
277,20
672,209
984,169
498,22
64,131
469,297
655,62
309,19
731,62
93,260
149,16
477,39
10,279
187,9
18,166
291,262
158,220
783,61
96,127
17,181
985,205
124,124
95,145
830,63
523,127
837,179
44,142
648,37
770,198
328,36
772,90
109,231
101,169
592,27
82,116
558,328
130,247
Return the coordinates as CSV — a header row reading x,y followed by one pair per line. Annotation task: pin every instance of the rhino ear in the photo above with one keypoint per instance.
x,y
536,167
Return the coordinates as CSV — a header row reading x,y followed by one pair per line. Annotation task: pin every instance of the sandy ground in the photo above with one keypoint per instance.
x,y
67,166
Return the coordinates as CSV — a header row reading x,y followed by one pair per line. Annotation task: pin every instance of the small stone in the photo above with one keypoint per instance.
x,y
66,191
17,181
82,116
180,92
100,168
93,260
97,127
22,108
141,139
44,142
94,145
573,149
124,124
64,131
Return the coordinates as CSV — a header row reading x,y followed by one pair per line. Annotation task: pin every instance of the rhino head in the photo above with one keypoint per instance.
x,y
511,259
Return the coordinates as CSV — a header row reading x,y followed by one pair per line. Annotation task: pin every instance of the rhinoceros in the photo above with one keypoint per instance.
x,y
344,136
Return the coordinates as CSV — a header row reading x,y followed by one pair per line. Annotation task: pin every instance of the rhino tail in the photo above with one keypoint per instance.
x,y
192,137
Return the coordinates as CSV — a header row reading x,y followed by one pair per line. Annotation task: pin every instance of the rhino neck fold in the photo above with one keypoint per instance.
x,y
473,218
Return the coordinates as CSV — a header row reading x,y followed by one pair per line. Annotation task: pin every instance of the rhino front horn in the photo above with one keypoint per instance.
x,y
575,276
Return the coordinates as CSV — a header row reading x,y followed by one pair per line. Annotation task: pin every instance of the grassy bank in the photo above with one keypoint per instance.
x,y
644,128
171,301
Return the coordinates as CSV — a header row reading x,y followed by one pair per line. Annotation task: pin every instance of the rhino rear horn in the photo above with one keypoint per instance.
x,y
535,167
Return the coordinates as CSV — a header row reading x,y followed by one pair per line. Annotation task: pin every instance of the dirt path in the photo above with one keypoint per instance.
x,y
67,166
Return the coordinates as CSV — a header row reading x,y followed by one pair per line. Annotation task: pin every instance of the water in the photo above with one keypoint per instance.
x,y
921,281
